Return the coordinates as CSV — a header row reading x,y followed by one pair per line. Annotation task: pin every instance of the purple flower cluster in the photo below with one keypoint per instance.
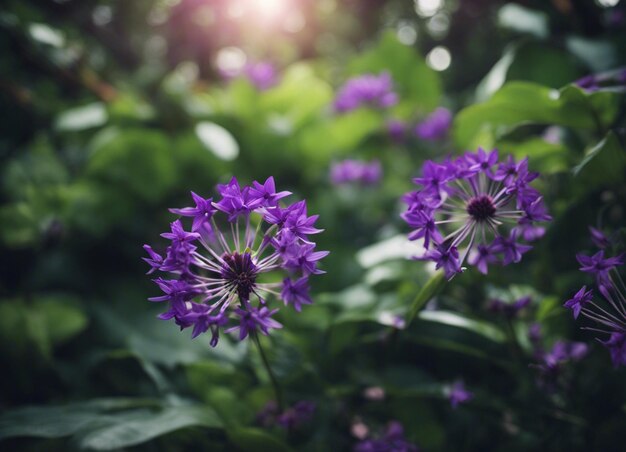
x,y
392,440
262,75
292,418
226,267
351,171
489,205
366,90
435,126
509,310
610,312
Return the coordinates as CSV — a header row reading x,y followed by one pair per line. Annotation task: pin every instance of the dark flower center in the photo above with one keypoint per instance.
x,y
481,208
240,273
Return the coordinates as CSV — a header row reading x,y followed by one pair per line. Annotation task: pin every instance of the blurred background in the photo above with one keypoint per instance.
x,y
113,111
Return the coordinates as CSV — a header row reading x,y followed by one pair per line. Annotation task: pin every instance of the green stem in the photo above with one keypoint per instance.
x,y
430,289
266,364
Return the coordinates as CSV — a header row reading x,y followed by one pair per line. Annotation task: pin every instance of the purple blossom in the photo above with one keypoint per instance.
x,y
457,394
296,293
599,266
300,413
254,319
435,126
609,312
579,300
366,90
392,440
262,74
350,171
617,347
214,271
509,309
292,418
598,238
489,208
397,130
201,213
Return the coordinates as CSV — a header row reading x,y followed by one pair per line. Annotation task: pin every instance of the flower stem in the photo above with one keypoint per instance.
x,y
430,289
266,364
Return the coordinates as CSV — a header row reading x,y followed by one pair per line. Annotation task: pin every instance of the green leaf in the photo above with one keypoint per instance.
x,y
430,289
81,118
253,439
604,164
417,84
218,140
519,103
456,320
523,20
129,429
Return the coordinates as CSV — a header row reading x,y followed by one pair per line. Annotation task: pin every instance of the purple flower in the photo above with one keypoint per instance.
x,y
579,300
588,83
446,258
262,75
392,440
296,293
487,207
215,270
298,414
366,90
609,313
293,417
509,309
349,171
599,266
617,347
254,319
435,126
457,394
598,238
396,130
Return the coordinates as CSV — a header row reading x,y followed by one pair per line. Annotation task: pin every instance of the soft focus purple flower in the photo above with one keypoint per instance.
x,y
355,171
609,312
488,207
298,414
262,74
392,440
366,90
214,270
617,347
435,126
457,394
396,130
598,238
509,309
588,83
292,418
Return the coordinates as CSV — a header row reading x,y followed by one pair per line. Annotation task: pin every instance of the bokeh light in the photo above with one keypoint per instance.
x,y
439,58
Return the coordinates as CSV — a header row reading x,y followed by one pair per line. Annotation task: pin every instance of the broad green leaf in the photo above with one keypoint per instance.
x,y
56,421
253,440
549,157
128,429
218,140
604,164
81,118
397,247
459,321
519,103
523,20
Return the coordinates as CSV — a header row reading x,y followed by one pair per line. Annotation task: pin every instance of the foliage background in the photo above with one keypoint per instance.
x,y
112,111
